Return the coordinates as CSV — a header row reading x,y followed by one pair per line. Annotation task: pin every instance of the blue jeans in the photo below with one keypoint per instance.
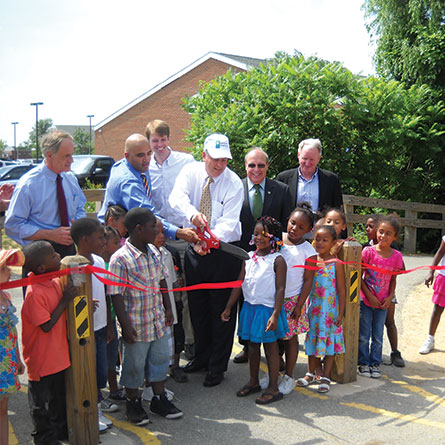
x,y
372,323
100,338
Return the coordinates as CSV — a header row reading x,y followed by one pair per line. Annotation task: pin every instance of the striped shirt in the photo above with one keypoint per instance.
x,y
145,309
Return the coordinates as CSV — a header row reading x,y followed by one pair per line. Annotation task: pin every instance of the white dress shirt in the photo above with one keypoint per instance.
x,y
227,194
163,177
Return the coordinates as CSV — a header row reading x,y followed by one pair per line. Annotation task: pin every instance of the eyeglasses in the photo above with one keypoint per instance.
x,y
256,165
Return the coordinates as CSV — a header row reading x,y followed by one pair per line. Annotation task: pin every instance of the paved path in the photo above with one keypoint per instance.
x,y
406,406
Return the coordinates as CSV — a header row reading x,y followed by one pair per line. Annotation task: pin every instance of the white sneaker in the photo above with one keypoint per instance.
x,y
427,346
286,385
148,394
364,371
102,419
102,427
264,381
375,372
108,406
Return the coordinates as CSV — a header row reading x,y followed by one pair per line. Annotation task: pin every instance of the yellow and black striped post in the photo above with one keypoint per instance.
x,y
345,365
81,386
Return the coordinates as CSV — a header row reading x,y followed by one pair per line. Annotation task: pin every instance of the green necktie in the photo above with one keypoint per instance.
x,y
257,203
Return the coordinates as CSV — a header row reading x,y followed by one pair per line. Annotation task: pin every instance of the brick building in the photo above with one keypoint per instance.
x,y
164,102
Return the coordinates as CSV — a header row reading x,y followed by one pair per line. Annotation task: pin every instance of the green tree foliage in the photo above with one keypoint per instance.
x,y
410,37
3,145
381,138
82,142
44,126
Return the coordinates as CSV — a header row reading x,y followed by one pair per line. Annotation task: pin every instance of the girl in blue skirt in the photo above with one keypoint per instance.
x,y
262,318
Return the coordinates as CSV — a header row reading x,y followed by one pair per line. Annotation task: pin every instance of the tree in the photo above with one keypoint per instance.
x,y
44,125
3,145
380,137
410,38
82,142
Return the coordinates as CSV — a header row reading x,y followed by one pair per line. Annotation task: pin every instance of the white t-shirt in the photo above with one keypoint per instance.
x,y
295,255
98,290
259,282
170,277
442,263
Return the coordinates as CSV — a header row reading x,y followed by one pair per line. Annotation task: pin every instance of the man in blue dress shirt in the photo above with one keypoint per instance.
x,y
34,209
129,186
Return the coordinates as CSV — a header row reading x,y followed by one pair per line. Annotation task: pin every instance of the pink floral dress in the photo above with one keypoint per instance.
x,y
324,338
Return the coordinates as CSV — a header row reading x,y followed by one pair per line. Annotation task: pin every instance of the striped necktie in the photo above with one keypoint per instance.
x,y
146,185
205,205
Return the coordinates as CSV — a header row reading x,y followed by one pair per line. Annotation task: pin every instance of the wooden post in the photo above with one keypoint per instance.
x,y
409,244
345,365
81,386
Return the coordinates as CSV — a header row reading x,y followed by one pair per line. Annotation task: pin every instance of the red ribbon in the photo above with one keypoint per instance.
x,y
35,279
367,266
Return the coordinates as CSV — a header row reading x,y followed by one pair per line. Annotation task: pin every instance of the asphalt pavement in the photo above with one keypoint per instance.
x,y
405,406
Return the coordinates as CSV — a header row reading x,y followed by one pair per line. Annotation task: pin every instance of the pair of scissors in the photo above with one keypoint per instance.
x,y
212,242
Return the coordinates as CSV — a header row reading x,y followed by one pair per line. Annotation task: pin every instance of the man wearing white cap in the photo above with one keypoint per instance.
x,y
209,192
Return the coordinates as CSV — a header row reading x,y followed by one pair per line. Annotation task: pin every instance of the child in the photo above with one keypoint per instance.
x,y
325,311
295,251
112,244
10,365
337,219
438,297
144,316
89,237
262,318
390,323
176,372
114,217
377,292
45,344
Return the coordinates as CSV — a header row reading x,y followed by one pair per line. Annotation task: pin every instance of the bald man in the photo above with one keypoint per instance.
x,y
130,186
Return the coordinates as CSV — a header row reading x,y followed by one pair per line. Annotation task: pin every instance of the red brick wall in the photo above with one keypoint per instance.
x,y
165,104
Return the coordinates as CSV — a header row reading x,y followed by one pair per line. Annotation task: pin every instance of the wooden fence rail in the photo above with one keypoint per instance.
x,y
410,220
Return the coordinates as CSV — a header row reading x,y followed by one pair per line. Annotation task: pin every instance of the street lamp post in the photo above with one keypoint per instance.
x,y
15,140
36,104
91,146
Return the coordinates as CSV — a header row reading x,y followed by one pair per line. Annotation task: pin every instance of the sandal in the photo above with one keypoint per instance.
x,y
268,397
302,382
324,385
247,390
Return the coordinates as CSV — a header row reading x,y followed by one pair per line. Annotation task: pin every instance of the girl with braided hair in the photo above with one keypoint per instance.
x,y
262,318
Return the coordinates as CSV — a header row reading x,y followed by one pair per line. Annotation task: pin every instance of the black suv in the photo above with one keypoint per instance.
x,y
95,168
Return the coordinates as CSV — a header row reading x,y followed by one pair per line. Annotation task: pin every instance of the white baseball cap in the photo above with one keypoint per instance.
x,y
217,146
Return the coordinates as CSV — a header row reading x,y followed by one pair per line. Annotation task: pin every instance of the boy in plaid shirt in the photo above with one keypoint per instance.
x,y
144,316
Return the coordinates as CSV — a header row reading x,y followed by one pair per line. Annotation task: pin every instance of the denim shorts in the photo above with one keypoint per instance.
x,y
153,356
113,350
100,339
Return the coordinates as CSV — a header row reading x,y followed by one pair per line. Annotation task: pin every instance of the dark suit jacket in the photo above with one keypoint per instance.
x,y
329,190
277,203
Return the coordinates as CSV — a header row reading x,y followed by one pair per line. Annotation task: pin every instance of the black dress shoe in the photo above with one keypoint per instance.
x,y
193,366
213,379
241,357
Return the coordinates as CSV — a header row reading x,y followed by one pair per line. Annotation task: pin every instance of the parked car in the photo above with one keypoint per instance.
x,y
4,163
12,173
95,168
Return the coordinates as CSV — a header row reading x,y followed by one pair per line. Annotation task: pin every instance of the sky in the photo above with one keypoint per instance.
x,y
94,56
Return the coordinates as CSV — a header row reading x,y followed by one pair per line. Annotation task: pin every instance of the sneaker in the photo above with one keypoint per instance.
x,y
264,381
375,372
364,371
135,413
102,428
397,360
163,407
102,419
427,346
118,396
148,394
108,406
286,385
